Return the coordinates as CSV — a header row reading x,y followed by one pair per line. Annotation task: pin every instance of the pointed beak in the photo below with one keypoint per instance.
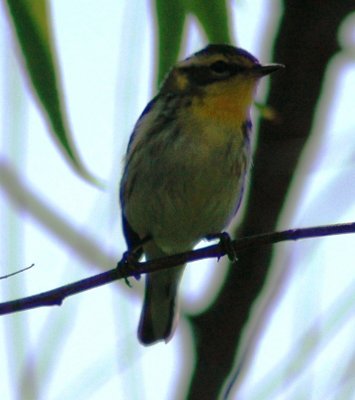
x,y
263,70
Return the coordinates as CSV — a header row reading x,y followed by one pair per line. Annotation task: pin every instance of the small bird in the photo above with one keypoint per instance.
x,y
185,168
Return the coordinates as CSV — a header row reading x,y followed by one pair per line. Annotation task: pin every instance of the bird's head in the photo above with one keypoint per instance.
x,y
220,78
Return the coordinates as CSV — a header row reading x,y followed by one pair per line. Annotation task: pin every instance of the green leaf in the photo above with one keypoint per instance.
x,y
171,16
32,27
213,17
170,25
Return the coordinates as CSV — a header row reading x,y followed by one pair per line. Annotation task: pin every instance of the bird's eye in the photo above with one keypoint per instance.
x,y
219,67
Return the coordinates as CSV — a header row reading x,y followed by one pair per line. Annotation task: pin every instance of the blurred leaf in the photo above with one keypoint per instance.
x,y
213,17
171,15
32,26
170,23
268,112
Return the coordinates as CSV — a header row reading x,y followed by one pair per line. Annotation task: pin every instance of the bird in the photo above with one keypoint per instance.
x,y
185,168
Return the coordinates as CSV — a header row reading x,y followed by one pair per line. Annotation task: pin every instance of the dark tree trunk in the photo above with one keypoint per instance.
x,y
306,41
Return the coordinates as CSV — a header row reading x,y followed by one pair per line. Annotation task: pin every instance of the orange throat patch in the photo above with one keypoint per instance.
x,y
228,103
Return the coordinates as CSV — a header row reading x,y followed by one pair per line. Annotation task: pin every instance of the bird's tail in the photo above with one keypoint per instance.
x,y
160,309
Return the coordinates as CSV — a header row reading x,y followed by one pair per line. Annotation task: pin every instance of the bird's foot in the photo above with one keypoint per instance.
x,y
225,242
131,259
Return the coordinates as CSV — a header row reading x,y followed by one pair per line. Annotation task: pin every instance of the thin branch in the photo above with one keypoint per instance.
x,y
126,269
16,272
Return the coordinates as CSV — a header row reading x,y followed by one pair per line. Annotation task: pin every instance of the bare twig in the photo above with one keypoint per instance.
x,y
16,272
126,269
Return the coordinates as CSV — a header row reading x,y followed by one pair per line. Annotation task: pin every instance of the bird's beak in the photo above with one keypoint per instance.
x,y
262,70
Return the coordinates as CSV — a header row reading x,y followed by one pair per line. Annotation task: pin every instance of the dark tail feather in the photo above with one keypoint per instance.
x,y
159,314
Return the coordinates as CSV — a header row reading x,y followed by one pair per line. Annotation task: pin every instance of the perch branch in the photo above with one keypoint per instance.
x,y
126,269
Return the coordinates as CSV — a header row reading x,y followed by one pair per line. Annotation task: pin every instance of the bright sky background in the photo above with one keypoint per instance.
x,y
87,349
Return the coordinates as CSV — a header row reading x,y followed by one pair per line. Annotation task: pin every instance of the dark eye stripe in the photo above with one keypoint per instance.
x,y
220,67
204,75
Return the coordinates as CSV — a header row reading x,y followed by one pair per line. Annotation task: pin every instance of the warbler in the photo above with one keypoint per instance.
x,y
185,168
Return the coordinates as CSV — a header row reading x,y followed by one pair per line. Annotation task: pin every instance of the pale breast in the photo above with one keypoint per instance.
x,y
187,190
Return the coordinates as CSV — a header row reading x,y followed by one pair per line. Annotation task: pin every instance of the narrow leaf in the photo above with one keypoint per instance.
x,y
31,24
170,25
213,17
171,16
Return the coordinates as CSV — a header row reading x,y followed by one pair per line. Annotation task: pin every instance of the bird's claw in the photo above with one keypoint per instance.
x,y
130,260
225,242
